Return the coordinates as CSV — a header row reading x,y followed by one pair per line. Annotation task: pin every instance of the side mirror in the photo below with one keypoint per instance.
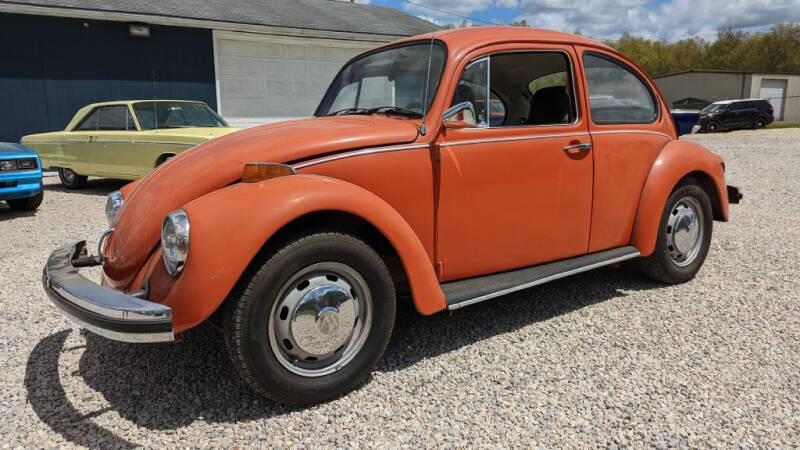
x,y
461,115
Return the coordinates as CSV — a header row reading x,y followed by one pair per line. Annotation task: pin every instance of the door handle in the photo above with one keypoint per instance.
x,y
582,146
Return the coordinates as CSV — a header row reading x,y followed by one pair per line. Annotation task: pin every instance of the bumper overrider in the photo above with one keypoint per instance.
x,y
109,313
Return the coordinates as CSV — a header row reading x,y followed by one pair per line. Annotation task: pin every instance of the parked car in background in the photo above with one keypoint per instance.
x,y
685,119
298,237
20,177
733,114
125,139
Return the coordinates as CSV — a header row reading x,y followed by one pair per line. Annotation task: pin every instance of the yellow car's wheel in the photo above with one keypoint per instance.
x,y
70,179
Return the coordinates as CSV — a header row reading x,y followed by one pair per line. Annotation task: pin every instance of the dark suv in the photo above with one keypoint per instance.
x,y
731,114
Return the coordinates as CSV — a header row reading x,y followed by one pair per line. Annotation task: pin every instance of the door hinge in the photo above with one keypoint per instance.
x,y
437,267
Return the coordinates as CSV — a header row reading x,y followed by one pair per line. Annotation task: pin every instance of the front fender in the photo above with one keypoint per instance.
x,y
676,160
231,225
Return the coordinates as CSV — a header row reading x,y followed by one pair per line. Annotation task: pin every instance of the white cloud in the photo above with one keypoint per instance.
x,y
677,19
608,19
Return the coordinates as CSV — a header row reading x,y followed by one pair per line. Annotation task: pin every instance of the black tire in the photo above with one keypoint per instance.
x,y
660,265
712,127
759,123
26,204
70,179
249,309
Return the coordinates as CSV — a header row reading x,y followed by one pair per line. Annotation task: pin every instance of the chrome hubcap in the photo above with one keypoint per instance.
x,y
684,231
68,174
321,319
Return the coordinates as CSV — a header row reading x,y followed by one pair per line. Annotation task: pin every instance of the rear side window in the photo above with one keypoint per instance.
x,y
89,123
616,93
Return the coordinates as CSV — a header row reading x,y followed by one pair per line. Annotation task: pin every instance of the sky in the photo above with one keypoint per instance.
x,y
670,20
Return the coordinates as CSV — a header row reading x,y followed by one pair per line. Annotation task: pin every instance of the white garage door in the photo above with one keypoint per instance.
x,y
774,91
262,79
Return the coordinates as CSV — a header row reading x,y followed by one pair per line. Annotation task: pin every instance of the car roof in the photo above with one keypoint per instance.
x,y
727,102
460,39
131,102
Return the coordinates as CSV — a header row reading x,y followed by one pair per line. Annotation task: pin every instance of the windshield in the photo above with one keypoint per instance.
x,y
390,81
713,107
176,115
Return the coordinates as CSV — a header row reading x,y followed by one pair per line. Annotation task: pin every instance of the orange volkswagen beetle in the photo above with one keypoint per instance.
x,y
456,167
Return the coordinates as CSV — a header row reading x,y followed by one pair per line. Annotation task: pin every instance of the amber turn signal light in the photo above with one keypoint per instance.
x,y
264,171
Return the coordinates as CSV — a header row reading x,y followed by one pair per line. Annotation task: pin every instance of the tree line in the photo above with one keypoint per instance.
x,y
776,50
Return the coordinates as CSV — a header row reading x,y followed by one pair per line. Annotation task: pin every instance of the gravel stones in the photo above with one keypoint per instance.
x,y
605,358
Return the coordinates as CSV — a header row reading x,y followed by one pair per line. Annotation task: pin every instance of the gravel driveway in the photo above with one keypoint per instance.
x,y
601,359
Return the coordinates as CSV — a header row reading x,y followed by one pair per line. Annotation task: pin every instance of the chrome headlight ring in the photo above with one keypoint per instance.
x,y
113,204
175,241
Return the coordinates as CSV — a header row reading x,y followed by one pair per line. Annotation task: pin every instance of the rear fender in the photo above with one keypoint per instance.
x,y
231,225
675,161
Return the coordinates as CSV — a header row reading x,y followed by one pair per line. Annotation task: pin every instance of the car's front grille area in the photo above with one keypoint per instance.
x,y
8,184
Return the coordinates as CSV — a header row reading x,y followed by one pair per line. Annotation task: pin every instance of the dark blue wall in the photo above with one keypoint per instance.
x,y
51,67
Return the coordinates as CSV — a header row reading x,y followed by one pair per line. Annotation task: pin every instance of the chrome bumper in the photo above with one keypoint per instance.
x,y
104,311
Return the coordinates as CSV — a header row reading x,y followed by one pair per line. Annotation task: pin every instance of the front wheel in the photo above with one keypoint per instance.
x,y
684,235
70,179
712,127
311,320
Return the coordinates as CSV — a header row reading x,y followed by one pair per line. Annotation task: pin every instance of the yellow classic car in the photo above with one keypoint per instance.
x,y
125,139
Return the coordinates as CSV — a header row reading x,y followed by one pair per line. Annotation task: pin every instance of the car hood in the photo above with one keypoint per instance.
x,y
220,162
9,150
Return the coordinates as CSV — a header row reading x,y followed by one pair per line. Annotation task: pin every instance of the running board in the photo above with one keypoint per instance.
x,y
473,290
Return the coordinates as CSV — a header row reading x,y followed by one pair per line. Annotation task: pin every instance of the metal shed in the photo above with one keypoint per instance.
x,y
781,89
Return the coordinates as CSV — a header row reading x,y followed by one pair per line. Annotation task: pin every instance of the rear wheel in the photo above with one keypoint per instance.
x,y
310,321
759,123
26,204
684,235
70,179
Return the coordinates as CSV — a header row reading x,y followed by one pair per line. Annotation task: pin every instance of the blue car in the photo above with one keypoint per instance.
x,y
20,177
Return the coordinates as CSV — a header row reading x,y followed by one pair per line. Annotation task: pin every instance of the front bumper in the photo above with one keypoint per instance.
x,y
104,311
19,184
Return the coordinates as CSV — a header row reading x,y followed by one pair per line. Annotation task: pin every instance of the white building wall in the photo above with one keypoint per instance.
x,y
267,78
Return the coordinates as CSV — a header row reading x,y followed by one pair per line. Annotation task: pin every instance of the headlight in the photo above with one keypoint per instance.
x,y
27,163
175,241
8,165
113,202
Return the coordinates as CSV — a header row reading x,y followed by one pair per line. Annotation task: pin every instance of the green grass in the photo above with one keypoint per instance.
x,y
784,125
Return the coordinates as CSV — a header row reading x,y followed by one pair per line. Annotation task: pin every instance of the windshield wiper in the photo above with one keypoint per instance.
x,y
346,111
397,111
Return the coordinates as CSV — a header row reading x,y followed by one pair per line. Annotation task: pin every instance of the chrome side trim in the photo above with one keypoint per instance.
x,y
510,139
657,133
152,142
367,151
557,276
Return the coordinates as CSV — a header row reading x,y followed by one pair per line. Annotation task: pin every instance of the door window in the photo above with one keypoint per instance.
x,y
616,93
113,118
520,88
473,87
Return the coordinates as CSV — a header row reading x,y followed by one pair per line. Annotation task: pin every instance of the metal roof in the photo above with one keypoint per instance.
x,y
318,15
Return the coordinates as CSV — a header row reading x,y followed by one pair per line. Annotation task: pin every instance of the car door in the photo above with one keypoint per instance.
x,y
734,114
515,189
114,143
78,152
629,125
